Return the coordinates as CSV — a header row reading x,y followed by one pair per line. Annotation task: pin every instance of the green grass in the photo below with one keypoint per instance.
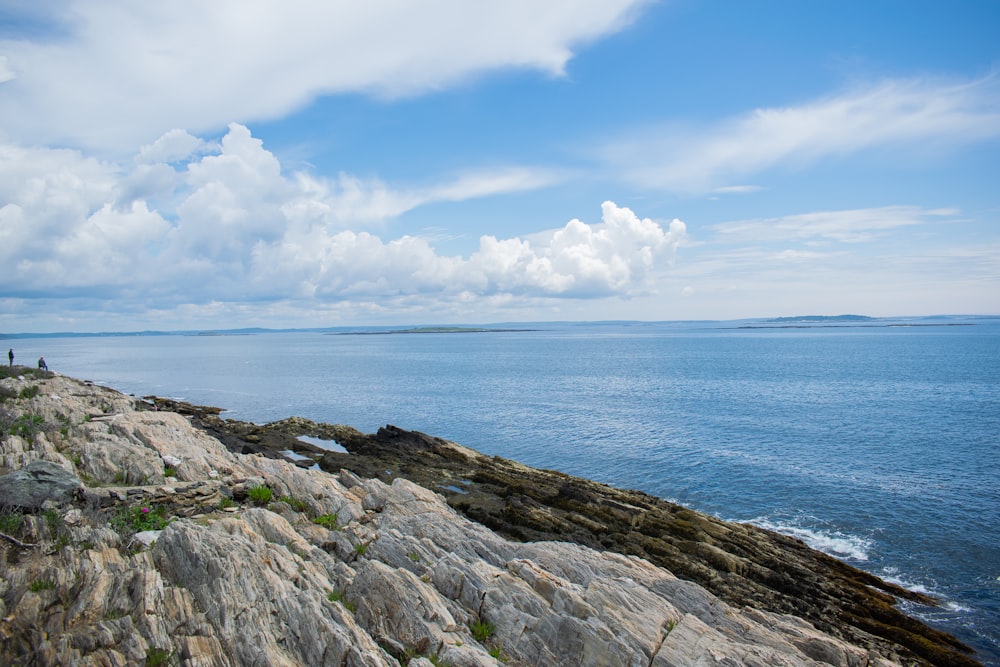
x,y
28,392
225,502
169,472
128,520
11,523
27,426
41,585
329,521
23,371
337,595
482,630
259,495
294,503
157,657
361,549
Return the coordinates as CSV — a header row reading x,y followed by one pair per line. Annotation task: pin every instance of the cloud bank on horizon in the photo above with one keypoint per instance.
x,y
193,165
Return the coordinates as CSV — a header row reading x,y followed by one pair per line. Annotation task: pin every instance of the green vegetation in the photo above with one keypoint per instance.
x,y
169,472
259,495
23,371
361,549
57,527
28,392
157,657
27,426
41,585
414,556
337,595
496,652
226,502
130,520
482,630
437,661
11,523
294,503
329,521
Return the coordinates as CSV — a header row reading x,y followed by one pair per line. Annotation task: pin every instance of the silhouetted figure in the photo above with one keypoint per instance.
x,y
41,364
10,355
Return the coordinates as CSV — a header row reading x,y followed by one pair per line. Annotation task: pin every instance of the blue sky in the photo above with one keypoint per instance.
x,y
215,165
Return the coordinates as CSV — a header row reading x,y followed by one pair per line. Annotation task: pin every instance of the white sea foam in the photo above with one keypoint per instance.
x,y
893,576
833,543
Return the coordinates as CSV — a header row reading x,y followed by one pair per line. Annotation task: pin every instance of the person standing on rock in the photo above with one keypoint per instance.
x,y
41,364
10,356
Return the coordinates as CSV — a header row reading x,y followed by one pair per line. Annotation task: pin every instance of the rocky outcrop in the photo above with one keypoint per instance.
x,y
255,560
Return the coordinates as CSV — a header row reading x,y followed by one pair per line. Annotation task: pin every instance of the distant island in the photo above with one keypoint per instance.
x,y
822,318
430,330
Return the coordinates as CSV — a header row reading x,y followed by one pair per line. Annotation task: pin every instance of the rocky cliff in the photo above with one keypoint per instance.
x,y
134,534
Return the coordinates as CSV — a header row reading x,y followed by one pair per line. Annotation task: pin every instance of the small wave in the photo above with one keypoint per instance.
x,y
892,575
833,543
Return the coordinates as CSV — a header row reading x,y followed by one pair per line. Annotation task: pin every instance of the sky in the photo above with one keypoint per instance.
x,y
254,163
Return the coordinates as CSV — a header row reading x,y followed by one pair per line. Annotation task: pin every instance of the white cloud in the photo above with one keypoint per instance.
x,y
615,257
848,226
118,74
916,114
225,225
173,146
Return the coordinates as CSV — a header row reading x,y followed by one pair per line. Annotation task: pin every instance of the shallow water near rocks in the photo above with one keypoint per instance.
x,y
876,442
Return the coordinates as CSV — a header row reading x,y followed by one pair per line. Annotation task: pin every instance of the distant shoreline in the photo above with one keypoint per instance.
x,y
428,330
854,325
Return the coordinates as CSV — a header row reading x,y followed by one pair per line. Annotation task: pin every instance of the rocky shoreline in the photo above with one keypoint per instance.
x,y
407,550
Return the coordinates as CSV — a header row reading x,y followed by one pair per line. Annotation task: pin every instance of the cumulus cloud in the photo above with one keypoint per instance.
x,y
114,75
186,222
893,113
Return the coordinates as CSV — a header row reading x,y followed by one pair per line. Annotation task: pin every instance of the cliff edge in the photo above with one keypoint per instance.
x,y
131,535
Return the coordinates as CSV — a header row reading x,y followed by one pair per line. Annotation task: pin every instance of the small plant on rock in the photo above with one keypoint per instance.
x,y
28,392
130,520
482,630
40,585
294,503
27,426
259,495
11,523
329,521
157,657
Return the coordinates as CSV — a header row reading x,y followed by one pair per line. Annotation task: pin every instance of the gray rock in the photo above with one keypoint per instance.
x,y
36,483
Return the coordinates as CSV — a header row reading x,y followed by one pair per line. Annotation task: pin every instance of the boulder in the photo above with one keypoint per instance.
x,y
39,481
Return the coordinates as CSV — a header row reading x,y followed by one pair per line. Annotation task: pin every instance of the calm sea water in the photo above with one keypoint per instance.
x,y
877,444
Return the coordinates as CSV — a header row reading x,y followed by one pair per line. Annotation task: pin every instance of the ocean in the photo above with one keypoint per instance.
x,y
875,441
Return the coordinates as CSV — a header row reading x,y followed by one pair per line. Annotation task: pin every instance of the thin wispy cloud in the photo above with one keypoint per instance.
x,y
850,226
910,115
